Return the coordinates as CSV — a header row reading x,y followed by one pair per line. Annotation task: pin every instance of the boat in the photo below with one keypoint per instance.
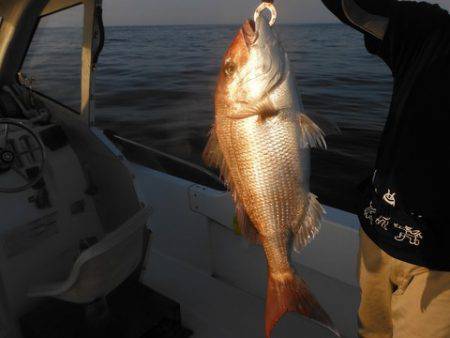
x,y
94,225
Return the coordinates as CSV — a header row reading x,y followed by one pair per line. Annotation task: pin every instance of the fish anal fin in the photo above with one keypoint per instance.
x,y
246,226
288,293
309,225
312,135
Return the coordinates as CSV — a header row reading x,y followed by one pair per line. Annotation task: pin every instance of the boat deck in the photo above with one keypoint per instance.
x,y
197,259
212,308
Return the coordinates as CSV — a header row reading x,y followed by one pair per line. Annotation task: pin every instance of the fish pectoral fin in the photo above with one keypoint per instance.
x,y
264,109
212,155
327,126
309,226
246,226
312,135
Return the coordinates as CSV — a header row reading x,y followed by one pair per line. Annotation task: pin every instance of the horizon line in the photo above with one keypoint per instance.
x,y
204,24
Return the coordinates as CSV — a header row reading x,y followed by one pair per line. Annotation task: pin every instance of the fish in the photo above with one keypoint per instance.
x,y
260,142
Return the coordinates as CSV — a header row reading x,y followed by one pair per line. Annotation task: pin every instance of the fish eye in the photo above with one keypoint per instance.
x,y
230,67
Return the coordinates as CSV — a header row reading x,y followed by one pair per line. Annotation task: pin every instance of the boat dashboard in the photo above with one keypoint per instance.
x,y
19,102
26,132
47,204
8,105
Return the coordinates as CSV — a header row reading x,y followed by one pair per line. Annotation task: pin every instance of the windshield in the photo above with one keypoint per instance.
x,y
52,65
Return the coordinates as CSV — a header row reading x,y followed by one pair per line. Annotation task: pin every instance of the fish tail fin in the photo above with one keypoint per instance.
x,y
288,293
309,225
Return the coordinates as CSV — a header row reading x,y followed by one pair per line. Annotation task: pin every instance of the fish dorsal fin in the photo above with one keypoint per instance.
x,y
312,135
246,226
308,226
213,156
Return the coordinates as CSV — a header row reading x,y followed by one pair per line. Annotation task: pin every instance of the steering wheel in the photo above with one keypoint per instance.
x,y
19,154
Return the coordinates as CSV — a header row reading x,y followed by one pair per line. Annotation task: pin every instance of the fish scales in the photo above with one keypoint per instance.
x,y
264,163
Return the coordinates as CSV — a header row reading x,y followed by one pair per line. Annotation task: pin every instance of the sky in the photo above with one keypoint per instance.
x,y
163,12
211,11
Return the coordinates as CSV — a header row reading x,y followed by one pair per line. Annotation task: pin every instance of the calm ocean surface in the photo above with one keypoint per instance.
x,y
155,85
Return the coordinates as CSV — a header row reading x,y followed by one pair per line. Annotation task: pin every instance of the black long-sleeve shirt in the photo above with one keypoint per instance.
x,y
404,208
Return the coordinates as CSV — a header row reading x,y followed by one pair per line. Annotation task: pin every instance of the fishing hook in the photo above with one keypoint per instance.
x,y
267,5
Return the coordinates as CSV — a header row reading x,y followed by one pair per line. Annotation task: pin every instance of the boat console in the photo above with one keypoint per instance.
x,y
9,108
68,209
47,210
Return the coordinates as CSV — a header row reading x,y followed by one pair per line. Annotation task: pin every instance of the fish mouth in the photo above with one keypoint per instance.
x,y
249,32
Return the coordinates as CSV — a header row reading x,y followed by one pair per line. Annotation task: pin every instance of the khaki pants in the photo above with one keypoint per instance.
x,y
400,300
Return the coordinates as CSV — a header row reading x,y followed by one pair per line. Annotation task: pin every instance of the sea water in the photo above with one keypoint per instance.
x,y
155,85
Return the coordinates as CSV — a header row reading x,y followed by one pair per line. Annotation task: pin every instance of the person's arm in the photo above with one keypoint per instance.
x,y
367,16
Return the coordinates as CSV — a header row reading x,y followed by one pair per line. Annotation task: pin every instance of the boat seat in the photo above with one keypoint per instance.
x,y
103,266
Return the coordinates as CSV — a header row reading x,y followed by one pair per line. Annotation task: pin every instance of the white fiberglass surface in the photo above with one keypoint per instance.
x,y
186,237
